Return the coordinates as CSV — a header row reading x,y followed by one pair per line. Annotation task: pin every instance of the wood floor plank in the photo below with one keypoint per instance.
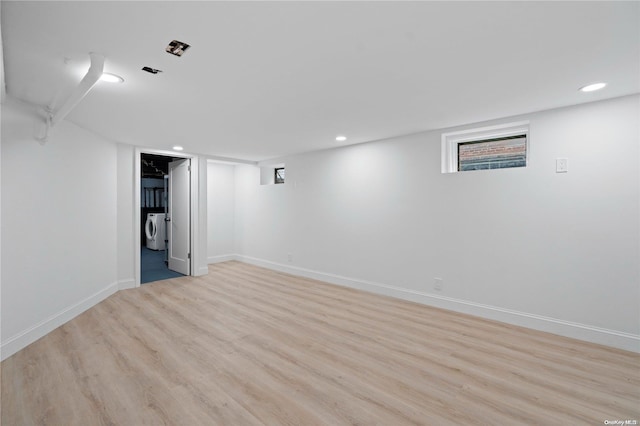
x,y
249,346
357,351
490,350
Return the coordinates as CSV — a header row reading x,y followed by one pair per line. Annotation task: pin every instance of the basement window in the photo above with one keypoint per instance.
x,y
496,147
271,174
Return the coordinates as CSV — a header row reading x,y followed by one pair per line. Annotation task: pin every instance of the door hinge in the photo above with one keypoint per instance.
x,y
188,255
188,168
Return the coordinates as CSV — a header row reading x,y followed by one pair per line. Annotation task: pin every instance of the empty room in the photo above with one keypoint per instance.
x,y
319,213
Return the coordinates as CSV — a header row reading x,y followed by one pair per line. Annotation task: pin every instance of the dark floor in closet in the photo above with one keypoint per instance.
x,y
153,268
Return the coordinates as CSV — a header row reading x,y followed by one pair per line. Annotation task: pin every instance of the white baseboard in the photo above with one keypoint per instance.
x,y
126,284
223,258
30,335
617,339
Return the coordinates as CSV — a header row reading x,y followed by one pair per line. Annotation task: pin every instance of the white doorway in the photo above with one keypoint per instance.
x,y
195,194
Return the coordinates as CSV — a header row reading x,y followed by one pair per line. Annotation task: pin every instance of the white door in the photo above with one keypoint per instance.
x,y
179,225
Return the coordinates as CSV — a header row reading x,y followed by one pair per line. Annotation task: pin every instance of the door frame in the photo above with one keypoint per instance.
x,y
195,207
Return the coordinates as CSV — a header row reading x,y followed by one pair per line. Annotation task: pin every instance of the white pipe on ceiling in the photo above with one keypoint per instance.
x,y
90,79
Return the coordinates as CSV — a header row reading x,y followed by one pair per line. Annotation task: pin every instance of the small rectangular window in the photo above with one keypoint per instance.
x,y
497,153
495,147
272,173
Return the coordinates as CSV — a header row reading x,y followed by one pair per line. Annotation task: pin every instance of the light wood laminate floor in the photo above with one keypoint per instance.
x,y
249,346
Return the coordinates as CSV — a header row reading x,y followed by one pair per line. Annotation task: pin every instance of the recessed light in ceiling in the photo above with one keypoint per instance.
x,y
593,87
177,47
178,148
111,78
341,138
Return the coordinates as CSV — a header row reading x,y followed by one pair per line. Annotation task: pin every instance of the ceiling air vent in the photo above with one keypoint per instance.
x,y
177,47
151,70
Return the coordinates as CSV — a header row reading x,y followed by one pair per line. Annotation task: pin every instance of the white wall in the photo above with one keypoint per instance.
x,y
58,225
126,224
557,252
221,211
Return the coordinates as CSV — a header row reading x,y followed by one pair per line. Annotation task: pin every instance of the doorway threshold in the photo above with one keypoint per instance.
x,y
153,268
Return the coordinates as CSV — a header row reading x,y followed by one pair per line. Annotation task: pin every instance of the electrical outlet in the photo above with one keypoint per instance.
x,y
289,257
562,165
437,284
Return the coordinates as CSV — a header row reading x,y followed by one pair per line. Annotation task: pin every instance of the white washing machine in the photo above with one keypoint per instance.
x,y
155,231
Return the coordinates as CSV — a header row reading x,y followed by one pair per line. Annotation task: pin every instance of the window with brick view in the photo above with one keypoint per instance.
x,y
497,153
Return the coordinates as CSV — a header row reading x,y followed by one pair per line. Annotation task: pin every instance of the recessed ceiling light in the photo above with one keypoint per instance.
x,y
592,87
111,78
178,148
341,138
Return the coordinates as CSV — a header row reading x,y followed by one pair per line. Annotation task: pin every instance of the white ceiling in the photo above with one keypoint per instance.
x,y
267,79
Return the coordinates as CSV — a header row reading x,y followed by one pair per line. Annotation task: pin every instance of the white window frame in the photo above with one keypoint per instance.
x,y
451,140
